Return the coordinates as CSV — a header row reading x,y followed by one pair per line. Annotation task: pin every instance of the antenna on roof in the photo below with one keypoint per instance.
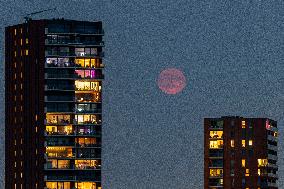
x,y
29,16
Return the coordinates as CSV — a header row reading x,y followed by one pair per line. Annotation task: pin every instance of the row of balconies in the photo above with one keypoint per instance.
x,y
73,54
65,155
73,65
73,110
71,98
95,178
70,144
78,33
73,76
68,87
74,42
72,167
74,122
72,134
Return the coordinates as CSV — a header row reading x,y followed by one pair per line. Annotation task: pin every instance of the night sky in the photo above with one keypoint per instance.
x,y
231,52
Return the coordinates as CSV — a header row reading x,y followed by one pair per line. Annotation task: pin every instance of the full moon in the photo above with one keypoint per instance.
x,y
171,81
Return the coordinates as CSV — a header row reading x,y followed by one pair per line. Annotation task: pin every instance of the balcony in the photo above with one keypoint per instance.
x,y
59,87
57,119
59,98
272,147
215,182
273,175
213,135
274,166
87,97
272,184
215,153
272,138
59,144
74,76
272,157
216,144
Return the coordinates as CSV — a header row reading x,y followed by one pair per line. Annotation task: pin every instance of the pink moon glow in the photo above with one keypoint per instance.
x,y
171,81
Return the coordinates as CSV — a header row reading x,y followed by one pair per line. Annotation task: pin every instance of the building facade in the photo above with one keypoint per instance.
x,y
240,153
53,96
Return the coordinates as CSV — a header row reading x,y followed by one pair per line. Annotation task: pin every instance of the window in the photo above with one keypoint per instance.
x,y
216,134
85,86
247,173
27,52
258,172
262,162
216,144
243,143
27,41
243,163
250,142
232,143
243,124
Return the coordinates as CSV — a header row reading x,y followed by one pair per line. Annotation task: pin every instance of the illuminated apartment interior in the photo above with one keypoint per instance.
x,y
240,153
64,60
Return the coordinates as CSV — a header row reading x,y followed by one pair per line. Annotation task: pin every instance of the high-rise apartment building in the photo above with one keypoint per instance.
x,y
53,72
240,153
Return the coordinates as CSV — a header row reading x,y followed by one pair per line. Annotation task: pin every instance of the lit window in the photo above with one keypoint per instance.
x,y
258,172
262,162
250,142
216,144
275,134
15,31
243,163
15,53
247,172
243,143
216,134
232,143
21,42
214,172
27,41
243,124
27,52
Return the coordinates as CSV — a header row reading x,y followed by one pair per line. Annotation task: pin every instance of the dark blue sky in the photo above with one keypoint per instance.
x,y
231,52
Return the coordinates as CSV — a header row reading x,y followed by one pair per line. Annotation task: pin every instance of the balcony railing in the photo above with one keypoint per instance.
x,y
57,122
73,42
72,76
72,167
60,87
